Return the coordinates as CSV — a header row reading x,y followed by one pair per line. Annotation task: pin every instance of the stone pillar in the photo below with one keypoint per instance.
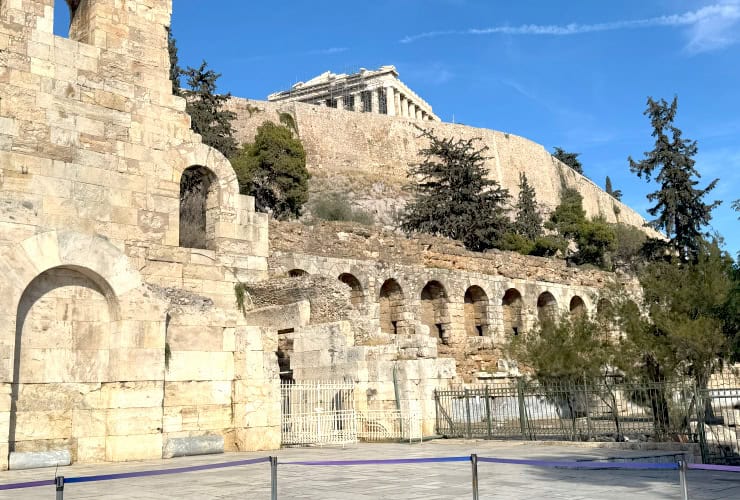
x,y
358,102
412,111
403,108
374,101
397,102
419,114
390,100
340,101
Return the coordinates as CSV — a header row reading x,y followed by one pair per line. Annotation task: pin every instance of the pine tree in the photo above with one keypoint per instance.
x,y
453,197
569,215
616,194
528,222
205,107
679,207
175,69
570,159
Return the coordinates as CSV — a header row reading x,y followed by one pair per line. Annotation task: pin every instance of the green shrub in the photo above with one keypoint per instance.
x,y
336,207
516,243
548,246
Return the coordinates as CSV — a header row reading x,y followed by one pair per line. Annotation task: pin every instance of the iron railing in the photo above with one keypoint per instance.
x,y
612,410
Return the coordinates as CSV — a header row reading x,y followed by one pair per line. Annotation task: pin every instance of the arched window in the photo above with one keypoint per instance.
x,y
577,306
392,307
434,310
356,295
512,305
547,307
476,312
198,206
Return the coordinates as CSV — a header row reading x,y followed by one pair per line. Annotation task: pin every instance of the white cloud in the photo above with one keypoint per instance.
x,y
708,28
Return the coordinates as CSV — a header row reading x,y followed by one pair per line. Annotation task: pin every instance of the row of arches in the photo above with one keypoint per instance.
x,y
395,315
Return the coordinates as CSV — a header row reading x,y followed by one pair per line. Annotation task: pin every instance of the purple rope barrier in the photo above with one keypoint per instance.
x,y
30,484
581,465
722,468
382,462
162,472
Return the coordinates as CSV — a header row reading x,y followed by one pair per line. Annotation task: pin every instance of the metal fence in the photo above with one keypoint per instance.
x,y
609,411
318,413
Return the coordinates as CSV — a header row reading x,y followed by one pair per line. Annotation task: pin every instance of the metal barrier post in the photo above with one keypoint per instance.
x,y
474,463
59,484
682,467
273,478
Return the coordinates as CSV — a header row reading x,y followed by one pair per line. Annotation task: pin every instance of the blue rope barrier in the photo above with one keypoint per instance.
x,y
382,461
162,472
30,484
722,468
581,465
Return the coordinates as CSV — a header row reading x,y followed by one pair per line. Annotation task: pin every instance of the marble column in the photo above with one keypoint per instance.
x,y
340,102
358,102
374,101
419,114
390,100
397,102
412,110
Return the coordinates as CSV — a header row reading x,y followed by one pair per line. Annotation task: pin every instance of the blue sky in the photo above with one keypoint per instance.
x,y
574,74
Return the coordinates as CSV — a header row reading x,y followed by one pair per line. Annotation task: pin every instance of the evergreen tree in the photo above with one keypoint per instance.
x,y
273,170
528,222
175,69
616,194
570,159
453,197
569,215
205,107
680,209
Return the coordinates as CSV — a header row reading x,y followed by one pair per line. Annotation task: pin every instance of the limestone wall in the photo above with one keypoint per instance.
x,y
478,302
366,156
95,358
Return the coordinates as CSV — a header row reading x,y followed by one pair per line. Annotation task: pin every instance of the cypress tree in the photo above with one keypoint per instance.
x,y
679,206
453,197
175,69
616,194
528,222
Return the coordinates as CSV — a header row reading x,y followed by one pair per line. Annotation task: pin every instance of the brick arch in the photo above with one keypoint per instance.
x,y
475,311
434,311
577,306
357,294
512,306
392,307
225,176
547,307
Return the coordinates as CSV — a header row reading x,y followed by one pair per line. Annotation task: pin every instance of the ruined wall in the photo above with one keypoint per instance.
x,y
366,156
452,303
96,360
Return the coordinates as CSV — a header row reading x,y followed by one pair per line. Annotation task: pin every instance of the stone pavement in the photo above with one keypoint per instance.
x,y
429,481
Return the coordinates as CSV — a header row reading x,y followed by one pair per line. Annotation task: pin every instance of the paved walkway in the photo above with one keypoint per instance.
x,y
430,481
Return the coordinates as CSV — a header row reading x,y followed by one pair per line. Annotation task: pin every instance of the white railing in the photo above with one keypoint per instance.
x,y
318,413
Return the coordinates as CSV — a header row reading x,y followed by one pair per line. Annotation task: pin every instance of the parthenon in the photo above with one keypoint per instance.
x,y
379,92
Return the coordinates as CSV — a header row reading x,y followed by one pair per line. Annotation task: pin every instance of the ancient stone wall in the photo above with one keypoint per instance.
x,y
96,360
366,156
448,302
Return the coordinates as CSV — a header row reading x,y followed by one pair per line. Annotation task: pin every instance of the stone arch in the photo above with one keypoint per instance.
x,y
476,312
65,321
434,312
199,208
603,307
297,273
513,306
357,296
547,307
392,306
577,306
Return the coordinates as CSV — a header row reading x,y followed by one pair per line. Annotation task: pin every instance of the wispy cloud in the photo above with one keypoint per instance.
x,y
709,28
326,52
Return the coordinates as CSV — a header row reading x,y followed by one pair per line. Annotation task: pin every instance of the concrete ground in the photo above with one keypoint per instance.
x,y
426,481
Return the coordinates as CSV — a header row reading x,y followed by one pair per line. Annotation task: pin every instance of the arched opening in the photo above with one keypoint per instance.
x,y
476,312
64,11
512,306
547,307
297,273
391,307
434,310
604,308
577,306
198,206
356,296
63,334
